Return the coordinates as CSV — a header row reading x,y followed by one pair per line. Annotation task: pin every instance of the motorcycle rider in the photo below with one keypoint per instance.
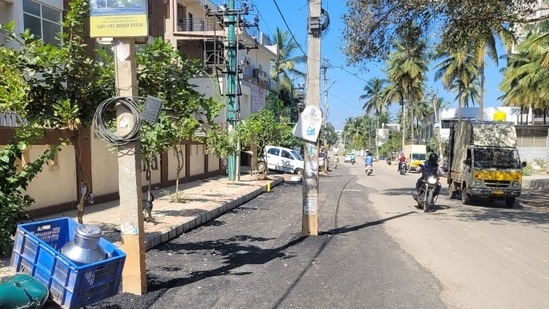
x,y
368,160
401,159
429,167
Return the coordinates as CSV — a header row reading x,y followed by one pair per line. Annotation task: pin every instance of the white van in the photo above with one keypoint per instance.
x,y
282,159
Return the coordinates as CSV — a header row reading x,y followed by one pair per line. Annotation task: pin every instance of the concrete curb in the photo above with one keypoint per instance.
x,y
187,223
156,238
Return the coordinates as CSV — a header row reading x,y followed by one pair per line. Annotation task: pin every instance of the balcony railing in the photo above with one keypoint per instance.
x,y
198,25
210,24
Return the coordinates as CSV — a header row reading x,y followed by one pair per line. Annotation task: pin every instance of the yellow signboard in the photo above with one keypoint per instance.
x,y
118,18
500,116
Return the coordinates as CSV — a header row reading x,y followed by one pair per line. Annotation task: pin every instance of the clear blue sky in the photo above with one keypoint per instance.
x,y
345,84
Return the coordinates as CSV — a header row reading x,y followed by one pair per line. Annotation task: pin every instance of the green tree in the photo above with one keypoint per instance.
x,y
355,133
14,175
260,130
64,85
372,26
407,68
525,79
284,70
458,72
331,134
164,72
375,96
484,44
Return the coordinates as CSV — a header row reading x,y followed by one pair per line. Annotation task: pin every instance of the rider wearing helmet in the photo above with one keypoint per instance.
x,y
429,167
368,159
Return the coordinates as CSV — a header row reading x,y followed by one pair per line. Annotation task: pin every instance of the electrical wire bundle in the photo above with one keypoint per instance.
x,y
101,128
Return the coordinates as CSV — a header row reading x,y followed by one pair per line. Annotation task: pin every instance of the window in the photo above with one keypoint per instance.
x,y
191,21
274,151
44,22
286,155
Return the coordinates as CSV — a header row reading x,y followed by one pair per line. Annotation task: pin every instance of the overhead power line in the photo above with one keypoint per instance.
x,y
288,28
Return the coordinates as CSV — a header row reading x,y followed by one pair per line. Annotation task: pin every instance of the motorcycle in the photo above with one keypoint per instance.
x,y
388,161
428,192
402,168
369,169
353,162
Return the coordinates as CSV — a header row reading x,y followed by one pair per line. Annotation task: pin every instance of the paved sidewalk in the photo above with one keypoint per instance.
x,y
204,200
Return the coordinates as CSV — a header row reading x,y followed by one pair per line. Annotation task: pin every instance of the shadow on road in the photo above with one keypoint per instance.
x,y
235,254
347,229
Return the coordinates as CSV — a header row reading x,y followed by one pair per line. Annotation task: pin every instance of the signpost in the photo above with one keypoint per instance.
x,y
129,20
125,23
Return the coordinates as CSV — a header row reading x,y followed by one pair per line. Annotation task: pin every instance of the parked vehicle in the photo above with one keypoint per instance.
x,y
282,159
416,154
350,158
428,192
484,161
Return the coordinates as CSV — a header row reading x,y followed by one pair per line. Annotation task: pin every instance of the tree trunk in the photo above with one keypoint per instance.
x,y
84,191
481,101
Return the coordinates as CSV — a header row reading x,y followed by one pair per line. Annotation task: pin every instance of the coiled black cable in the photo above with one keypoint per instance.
x,y
102,130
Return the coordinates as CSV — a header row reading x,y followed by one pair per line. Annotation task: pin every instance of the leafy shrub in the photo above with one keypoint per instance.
x,y
13,181
527,170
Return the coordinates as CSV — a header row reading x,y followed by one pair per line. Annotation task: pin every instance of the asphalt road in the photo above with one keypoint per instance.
x,y
256,257
375,250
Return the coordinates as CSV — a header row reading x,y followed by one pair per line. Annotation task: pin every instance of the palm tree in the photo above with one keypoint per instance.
x,y
458,71
355,130
284,72
526,78
407,68
484,45
376,101
422,109
283,68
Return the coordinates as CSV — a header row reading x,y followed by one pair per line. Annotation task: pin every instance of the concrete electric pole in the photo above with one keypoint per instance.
x,y
132,230
312,98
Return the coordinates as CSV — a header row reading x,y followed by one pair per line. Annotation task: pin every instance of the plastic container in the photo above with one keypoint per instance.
x,y
36,252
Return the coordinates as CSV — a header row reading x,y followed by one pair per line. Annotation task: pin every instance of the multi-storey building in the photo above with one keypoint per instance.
x,y
198,29
43,18
186,24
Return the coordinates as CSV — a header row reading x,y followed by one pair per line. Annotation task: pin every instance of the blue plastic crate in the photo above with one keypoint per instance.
x,y
36,252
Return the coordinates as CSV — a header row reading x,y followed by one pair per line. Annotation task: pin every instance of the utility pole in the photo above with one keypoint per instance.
x,y
132,229
232,46
105,27
230,19
311,178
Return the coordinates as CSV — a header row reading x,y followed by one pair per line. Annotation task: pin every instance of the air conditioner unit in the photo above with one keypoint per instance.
x,y
8,1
